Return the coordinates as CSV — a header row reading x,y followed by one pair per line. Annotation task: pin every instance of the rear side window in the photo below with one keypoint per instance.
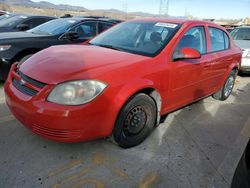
x,y
194,38
219,39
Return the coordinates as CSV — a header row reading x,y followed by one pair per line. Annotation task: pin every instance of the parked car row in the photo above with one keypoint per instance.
x,y
241,36
19,46
121,82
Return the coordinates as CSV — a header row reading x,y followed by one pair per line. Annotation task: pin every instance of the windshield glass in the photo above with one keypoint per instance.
x,y
11,21
241,34
145,38
54,27
6,16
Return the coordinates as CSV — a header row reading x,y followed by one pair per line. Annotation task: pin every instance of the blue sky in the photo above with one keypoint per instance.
x,y
198,8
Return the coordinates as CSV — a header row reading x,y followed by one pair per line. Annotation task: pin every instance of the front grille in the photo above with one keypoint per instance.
x,y
56,133
25,84
23,88
30,80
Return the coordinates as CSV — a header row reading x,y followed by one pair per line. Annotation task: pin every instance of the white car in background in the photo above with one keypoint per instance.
x,y
241,36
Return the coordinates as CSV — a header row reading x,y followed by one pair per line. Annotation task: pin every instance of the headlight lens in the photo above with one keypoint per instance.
x,y
248,54
76,92
4,47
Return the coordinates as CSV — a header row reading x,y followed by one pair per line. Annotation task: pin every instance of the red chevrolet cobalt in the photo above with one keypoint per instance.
x,y
122,81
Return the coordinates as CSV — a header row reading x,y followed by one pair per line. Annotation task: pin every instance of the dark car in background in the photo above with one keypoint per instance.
x,y
22,22
6,16
19,46
241,177
3,12
241,36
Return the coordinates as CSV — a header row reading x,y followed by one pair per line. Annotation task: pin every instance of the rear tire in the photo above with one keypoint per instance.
x,y
227,88
135,121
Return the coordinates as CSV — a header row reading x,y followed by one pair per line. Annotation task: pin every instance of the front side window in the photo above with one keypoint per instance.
x,y
85,30
104,26
144,38
219,39
194,38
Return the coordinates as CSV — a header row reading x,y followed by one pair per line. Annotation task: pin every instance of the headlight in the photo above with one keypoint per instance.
x,y
4,47
76,92
246,53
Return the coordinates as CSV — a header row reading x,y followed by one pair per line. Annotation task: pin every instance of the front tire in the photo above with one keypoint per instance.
x,y
227,89
135,121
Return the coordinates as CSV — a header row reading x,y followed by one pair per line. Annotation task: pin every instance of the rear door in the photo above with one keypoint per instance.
x,y
187,75
220,52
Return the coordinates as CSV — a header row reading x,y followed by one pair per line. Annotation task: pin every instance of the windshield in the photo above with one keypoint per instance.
x,y
241,34
11,21
54,27
5,16
145,38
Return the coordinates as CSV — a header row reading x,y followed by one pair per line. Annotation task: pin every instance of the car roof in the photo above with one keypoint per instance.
x,y
79,19
244,26
30,15
177,21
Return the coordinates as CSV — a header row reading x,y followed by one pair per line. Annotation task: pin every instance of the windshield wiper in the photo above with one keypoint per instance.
x,y
108,46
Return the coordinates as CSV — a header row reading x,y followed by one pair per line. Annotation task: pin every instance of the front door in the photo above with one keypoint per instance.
x,y
187,75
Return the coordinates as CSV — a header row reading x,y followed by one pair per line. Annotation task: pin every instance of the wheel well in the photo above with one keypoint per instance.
x,y
23,53
155,95
235,68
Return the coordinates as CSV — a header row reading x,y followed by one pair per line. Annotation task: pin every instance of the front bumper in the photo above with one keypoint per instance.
x,y
4,68
59,122
245,64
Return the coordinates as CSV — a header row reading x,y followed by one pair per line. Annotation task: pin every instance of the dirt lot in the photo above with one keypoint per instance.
x,y
197,146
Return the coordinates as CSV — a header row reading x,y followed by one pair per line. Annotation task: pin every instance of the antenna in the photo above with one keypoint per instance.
x,y
164,7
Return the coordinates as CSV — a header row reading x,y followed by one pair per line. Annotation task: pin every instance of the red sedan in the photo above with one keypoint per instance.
x,y
122,81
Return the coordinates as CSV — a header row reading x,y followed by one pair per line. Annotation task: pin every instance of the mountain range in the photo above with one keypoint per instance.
x,y
48,5
43,4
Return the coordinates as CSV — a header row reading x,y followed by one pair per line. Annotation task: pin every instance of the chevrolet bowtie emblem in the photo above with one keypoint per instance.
x,y
22,82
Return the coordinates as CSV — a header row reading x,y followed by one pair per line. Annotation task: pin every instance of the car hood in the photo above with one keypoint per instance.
x,y
17,35
71,62
243,44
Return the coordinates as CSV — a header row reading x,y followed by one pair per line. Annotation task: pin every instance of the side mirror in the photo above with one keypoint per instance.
x,y
22,27
71,35
186,53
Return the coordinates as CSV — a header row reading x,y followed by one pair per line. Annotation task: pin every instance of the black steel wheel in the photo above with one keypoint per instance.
x,y
135,121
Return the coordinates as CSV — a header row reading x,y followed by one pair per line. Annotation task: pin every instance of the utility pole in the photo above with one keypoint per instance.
x,y
164,7
125,9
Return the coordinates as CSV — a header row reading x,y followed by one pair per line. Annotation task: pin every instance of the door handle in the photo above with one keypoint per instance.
x,y
229,59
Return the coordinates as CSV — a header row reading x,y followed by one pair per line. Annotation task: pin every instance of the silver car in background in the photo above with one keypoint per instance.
x,y
241,36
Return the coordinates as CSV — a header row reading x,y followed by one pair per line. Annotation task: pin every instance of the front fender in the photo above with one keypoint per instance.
x,y
130,89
